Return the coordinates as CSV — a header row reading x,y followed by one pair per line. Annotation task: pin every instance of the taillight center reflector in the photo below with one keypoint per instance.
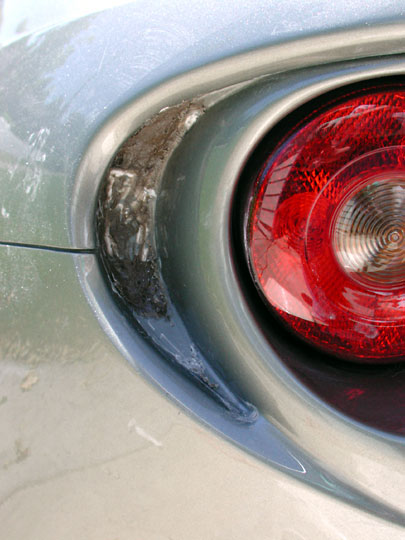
x,y
368,236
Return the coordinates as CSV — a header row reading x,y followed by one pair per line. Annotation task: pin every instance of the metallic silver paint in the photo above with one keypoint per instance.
x,y
89,449
142,57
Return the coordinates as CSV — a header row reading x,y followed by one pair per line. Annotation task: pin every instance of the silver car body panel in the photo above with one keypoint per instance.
x,y
90,449
91,446
147,55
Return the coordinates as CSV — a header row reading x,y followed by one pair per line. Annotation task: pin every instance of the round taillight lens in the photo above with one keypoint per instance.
x,y
326,227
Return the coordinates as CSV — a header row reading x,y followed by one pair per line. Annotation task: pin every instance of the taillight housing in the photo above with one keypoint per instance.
x,y
325,229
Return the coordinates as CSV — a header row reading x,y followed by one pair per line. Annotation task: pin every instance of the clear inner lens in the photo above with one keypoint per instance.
x,y
369,233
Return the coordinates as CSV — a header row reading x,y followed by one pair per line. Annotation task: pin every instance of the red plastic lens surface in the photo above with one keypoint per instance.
x,y
326,227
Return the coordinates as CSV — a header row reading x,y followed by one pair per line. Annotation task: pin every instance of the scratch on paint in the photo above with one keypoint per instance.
x,y
37,156
142,433
29,381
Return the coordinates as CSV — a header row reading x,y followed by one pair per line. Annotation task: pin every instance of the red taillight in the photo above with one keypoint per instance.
x,y
326,227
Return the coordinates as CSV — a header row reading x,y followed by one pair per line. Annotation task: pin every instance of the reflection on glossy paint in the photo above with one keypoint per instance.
x,y
20,18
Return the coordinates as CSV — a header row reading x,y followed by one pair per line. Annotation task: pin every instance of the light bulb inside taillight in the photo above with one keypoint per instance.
x,y
368,236
326,227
